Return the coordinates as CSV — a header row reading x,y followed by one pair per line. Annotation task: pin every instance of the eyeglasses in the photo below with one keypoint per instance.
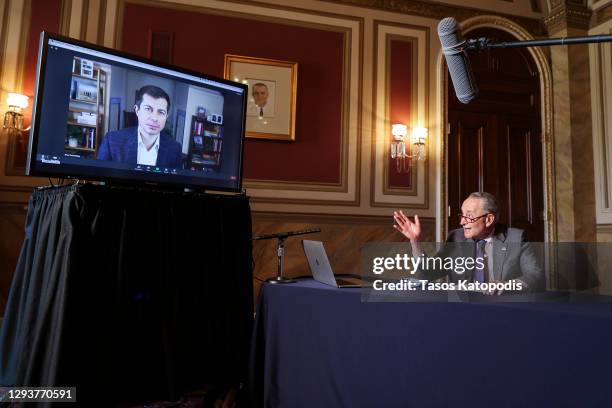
x,y
470,220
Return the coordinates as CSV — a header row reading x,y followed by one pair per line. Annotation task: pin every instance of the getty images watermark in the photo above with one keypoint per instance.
x,y
442,271
518,271
422,265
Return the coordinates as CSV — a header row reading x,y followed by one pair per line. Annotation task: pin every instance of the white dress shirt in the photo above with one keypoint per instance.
x,y
147,157
254,110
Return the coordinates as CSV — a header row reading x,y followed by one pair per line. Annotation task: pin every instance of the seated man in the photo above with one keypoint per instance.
x,y
146,143
508,256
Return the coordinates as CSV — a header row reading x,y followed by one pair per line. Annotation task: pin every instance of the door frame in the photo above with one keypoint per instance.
x,y
545,75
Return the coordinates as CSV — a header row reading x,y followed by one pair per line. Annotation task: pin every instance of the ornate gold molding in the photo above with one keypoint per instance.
x,y
389,38
84,20
304,201
26,19
348,70
545,75
495,21
439,11
101,23
4,8
262,216
64,26
374,158
601,125
10,167
568,14
294,185
602,15
546,94
604,229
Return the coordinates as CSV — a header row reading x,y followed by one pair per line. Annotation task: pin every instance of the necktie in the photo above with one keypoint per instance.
x,y
480,274
260,111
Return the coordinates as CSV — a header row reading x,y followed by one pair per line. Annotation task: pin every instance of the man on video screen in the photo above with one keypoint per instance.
x,y
146,143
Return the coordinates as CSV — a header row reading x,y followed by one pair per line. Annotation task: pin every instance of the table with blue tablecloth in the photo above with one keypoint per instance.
x,y
319,346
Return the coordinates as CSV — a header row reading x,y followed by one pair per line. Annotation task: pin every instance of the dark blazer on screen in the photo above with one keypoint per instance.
x,y
122,146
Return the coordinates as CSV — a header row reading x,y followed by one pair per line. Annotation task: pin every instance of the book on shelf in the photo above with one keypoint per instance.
x,y
89,138
203,159
86,92
213,128
198,127
208,133
217,145
92,138
86,118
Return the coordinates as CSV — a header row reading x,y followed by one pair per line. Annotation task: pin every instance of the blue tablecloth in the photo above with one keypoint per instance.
x,y
318,346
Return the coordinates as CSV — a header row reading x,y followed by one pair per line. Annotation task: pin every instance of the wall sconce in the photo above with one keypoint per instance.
x,y
398,146
13,118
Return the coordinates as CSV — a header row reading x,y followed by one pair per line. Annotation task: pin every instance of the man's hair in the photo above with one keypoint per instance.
x,y
260,84
489,202
154,92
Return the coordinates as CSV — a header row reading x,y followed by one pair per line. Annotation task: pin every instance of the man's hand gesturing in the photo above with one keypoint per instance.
x,y
411,230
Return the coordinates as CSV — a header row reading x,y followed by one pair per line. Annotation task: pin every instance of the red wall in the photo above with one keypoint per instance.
x,y
400,83
45,15
202,40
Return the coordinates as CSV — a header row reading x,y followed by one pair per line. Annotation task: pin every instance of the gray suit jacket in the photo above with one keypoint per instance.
x,y
513,258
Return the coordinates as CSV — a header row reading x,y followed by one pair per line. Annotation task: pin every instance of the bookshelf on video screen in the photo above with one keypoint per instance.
x,y
104,115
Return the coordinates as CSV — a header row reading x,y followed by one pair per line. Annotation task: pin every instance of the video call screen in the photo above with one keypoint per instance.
x,y
103,115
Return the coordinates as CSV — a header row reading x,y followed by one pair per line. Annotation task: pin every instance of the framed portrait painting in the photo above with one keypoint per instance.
x,y
272,95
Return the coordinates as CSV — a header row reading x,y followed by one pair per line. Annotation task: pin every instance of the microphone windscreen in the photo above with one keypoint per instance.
x,y
457,60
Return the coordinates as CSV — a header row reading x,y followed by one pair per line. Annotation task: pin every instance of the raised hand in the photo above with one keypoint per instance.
x,y
411,230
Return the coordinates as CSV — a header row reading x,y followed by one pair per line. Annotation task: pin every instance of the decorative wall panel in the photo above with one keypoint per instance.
x,y
389,106
601,100
323,159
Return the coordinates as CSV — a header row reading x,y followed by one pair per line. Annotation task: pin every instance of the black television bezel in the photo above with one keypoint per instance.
x,y
31,163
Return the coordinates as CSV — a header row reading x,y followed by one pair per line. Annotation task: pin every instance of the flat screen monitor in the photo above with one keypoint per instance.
x,y
102,114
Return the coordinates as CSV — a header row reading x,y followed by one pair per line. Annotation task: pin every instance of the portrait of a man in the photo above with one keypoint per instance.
x,y
261,101
146,143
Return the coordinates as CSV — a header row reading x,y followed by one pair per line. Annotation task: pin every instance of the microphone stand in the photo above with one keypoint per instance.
x,y
280,250
483,43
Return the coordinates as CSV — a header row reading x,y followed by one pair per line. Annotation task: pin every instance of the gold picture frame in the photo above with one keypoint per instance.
x,y
272,95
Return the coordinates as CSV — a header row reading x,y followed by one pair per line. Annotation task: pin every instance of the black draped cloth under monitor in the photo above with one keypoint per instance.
x,y
129,295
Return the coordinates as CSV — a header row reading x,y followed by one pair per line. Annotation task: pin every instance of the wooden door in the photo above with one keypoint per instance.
x,y
494,144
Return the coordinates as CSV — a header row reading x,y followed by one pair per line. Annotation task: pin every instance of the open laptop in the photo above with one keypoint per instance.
x,y
321,269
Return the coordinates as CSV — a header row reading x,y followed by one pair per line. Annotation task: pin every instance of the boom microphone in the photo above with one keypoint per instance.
x,y
457,60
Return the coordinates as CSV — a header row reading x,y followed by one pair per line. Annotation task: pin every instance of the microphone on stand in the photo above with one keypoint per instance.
x,y
457,60
280,250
